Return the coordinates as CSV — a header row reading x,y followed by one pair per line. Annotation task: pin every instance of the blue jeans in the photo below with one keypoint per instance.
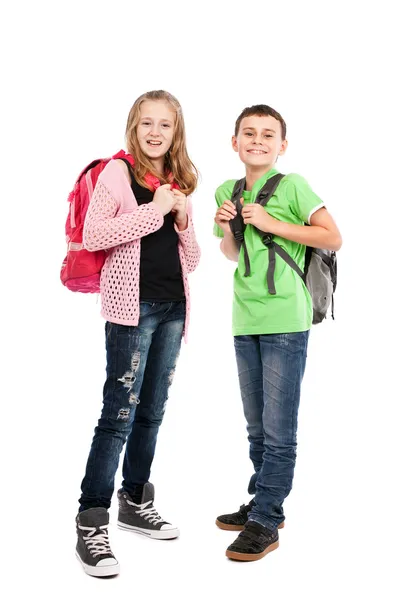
x,y
271,368
140,367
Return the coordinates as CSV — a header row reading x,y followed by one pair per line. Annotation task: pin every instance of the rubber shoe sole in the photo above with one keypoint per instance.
x,y
162,534
227,527
105,571
250,557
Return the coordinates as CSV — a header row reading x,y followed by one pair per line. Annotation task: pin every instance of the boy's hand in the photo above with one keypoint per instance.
x,y
179,210
224,214
255,214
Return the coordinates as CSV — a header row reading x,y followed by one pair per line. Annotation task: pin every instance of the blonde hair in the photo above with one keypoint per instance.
x,y
177,166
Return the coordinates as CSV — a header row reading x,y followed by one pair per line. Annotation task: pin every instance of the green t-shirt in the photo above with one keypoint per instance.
x,y
255,311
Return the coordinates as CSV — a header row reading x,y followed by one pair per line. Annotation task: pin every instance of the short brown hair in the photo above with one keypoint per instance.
x,y
260,110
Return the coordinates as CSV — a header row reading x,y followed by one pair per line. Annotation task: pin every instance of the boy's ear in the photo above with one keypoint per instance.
x,y
234,144
283,148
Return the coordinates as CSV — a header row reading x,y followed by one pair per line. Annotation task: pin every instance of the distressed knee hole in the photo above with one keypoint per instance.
x,y
128,380
123,414
135,362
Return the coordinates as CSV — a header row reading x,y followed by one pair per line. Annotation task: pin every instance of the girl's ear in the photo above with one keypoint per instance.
x,y
235,144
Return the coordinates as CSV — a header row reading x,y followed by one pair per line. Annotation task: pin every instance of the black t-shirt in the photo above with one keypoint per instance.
x,y
160,267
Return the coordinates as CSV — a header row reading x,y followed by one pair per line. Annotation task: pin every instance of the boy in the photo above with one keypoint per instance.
x,y
270,330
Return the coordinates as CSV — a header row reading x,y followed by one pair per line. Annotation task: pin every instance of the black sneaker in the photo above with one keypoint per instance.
x,y
143,518
237,520
254,542
93,548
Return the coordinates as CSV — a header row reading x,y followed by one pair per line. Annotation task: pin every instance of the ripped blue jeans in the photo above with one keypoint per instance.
x,y
140,367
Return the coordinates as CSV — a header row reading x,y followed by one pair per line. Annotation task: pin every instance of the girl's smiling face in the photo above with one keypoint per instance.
x,y
155,130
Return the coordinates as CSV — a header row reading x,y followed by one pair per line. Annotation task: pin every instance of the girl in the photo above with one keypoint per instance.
x,y
141,215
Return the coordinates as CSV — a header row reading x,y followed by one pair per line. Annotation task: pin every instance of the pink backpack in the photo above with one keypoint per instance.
x,y
80,270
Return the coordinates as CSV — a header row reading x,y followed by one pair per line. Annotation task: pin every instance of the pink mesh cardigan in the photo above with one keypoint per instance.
x,y
115,223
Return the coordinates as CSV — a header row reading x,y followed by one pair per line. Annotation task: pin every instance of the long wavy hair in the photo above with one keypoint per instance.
x,y
177,166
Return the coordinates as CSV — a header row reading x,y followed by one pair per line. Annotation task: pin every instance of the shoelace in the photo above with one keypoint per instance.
x,y
97,543
148,512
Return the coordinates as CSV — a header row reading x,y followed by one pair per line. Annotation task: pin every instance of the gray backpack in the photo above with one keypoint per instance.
x,y
320,266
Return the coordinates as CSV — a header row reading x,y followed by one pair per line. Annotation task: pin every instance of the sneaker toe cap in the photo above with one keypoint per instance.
x,y
227,520
168,527
107,562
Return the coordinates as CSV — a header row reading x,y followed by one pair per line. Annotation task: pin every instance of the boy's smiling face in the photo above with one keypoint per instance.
x,y
259,141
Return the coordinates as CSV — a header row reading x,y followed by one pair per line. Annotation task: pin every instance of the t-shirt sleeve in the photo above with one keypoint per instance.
x,y
303,201
224,192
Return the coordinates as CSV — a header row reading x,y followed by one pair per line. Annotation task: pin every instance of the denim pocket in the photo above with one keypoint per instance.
x,y
118,329
113,329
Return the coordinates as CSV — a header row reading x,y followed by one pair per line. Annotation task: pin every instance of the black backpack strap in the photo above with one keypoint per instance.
x,y
238,190
288,259
271,269
307,259
267,238
273,250
236,224
268,190
330,260
263,197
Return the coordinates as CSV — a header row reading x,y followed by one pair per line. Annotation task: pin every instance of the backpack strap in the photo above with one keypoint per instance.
x,y
329,258
273,250
263,197
267,238
237,226
268,190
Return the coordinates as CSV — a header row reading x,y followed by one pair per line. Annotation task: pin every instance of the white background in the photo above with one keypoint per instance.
x,y
70,74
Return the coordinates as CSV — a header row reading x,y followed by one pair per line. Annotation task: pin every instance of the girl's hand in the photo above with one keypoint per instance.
x,y
179,209
224,214
164,198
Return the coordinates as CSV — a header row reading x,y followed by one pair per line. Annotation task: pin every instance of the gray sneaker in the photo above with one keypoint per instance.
x,y
93,548
143,518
